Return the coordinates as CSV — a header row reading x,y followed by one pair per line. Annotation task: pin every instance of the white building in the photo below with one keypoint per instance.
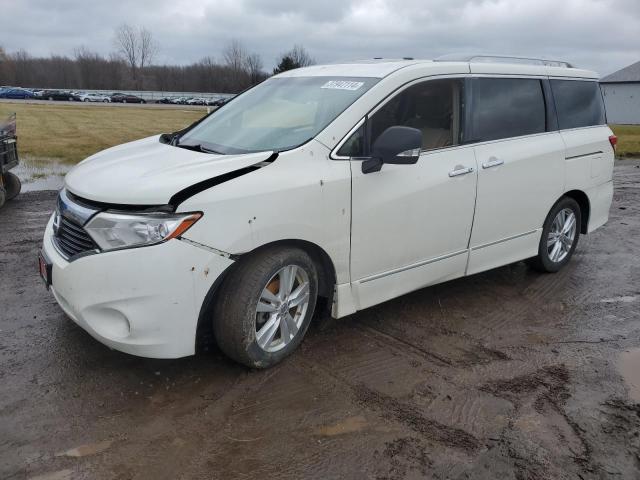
x,y
621,92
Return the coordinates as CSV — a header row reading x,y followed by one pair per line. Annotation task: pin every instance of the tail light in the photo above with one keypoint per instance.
x,y
613,140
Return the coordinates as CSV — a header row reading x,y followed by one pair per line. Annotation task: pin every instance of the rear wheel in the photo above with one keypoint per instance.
x,y
265,306
559,237
12,185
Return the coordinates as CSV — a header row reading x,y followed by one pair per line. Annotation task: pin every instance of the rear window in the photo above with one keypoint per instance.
x,y
506,107
578,103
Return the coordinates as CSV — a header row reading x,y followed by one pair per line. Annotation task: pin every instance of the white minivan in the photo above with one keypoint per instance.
x,y
339,186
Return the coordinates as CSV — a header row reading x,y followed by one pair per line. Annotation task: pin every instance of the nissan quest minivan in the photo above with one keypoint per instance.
x,y
341,185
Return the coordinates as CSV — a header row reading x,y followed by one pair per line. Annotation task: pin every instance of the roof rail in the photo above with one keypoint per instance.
x,y
455,57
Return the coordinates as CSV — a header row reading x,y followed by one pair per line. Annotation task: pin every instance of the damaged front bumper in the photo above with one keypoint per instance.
x,y
143,301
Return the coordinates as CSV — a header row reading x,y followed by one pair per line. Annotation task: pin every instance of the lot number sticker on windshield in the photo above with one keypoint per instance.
x,y
342,85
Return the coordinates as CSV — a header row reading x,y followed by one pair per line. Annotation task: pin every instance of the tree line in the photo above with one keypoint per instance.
x,y
131,67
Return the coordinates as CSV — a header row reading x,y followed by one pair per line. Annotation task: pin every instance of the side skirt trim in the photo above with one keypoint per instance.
x,y
409,267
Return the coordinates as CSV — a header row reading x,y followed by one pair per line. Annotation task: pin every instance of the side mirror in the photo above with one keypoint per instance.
x,y
396,145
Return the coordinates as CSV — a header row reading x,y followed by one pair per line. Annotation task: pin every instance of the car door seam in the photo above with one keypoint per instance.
x,y
473,217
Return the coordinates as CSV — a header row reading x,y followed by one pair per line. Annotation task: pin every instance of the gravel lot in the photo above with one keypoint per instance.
x,y
509,374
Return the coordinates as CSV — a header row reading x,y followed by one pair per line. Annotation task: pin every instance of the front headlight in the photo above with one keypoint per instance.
x,y
112,231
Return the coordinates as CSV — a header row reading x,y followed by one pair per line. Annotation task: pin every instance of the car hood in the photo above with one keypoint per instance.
x,y
148,172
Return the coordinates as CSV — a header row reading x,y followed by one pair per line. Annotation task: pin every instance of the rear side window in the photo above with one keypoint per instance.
x,y
506,107
578,103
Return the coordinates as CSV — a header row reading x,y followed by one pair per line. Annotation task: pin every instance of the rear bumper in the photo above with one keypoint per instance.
x,y
143,301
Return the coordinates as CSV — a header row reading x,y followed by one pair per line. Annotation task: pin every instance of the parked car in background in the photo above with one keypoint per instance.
x,y
165,100
197,101
94,97
219,102
60,95
126,98
16,93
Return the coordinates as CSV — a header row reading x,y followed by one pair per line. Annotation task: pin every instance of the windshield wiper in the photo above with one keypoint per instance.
x,y
197,148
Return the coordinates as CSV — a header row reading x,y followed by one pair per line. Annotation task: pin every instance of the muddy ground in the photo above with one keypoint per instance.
x,y
509,374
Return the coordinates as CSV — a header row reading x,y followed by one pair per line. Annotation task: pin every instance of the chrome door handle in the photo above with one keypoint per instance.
x,y
460,171
493,162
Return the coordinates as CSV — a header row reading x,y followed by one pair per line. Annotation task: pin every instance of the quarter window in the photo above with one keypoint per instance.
x,y
354,146
579,103
506,107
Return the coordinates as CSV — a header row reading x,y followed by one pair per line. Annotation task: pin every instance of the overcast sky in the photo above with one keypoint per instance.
x,y
602,35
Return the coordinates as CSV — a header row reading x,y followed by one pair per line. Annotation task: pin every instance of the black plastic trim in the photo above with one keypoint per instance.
x,y
100,206
196,188
550,103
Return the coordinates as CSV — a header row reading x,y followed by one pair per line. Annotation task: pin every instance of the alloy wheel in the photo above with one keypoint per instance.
x,y
561,235
282,307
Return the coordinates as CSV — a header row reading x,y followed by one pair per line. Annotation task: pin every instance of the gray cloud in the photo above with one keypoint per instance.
x,y
595,34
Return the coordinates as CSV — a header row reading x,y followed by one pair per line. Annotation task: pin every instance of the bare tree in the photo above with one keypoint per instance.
x,y
90,70
235,55
137,47
147,47
295,58
254,66
300,56
126,42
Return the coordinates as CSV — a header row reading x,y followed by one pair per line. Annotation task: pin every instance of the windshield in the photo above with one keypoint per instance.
x,y
279,114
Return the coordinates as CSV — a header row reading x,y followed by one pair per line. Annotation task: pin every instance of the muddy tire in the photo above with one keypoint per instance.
x,y
12,185
265,306
559,238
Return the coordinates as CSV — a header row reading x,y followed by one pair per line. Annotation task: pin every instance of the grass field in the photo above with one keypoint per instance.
x,y
69,133
628,140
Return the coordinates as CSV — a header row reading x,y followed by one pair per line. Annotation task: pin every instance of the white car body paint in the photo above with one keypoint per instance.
x,y
386,233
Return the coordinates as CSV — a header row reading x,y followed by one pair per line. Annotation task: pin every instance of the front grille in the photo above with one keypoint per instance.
x,y
72,239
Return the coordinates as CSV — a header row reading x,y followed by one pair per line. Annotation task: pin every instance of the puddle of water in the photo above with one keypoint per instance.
x,y
629,367
348,425
84,450
623,299
41,173
66,474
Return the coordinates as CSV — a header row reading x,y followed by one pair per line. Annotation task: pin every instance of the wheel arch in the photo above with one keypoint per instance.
x,y
585,208
326,281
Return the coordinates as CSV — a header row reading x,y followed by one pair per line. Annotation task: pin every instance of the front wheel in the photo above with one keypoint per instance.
x,y
265,306
12,185
560,235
